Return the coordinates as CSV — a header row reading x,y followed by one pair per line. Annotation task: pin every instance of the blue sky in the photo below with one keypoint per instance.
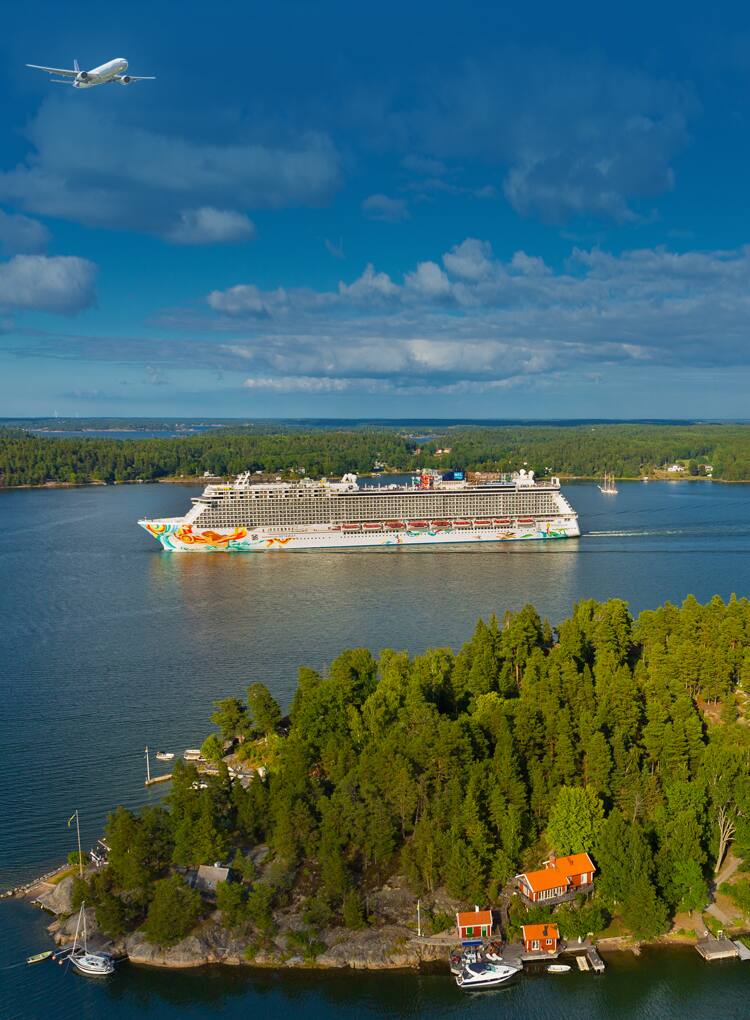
x,y
324,209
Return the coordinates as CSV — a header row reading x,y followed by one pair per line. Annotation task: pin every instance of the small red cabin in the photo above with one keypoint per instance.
x,y
560,879
474,924
540,938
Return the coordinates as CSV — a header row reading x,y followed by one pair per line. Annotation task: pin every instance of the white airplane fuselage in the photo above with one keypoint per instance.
x,y
102,74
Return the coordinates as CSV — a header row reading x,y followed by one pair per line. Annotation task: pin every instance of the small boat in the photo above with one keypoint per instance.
x,y
484,975
502,521
164,755
462,524
558,968
38,957
92,964
608,487
525,520
373,526
394,525
350,527
482,522
418,524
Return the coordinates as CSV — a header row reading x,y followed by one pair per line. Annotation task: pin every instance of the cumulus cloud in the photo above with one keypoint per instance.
x,y
47,284
370,284
385,209
91,167
211,226
470,260
21,235
428,280
246,299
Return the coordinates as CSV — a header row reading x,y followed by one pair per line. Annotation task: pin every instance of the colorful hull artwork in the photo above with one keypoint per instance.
x,y
179,537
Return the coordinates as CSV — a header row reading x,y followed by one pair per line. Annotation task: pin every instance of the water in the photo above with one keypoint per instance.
x,y
109,644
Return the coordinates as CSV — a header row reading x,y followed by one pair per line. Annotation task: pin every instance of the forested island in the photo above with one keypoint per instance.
x,y
581,451
442,776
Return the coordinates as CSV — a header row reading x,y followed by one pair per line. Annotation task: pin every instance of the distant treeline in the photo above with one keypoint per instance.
x,y
628,451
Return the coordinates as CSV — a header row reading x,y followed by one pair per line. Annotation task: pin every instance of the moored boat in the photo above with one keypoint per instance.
x,y
558,968
38,957
484,975
164,755
91,964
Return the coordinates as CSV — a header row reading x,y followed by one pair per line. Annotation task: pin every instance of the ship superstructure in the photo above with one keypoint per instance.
x,y
251,516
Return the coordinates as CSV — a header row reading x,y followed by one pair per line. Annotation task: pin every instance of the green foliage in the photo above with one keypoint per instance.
x,y
230,900
212,749
264,712
173,912
306,944
77,857
259,909
351,911
79,892
230,715
739,894
575,820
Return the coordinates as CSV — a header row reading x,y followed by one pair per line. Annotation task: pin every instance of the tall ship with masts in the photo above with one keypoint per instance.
x,y
434,508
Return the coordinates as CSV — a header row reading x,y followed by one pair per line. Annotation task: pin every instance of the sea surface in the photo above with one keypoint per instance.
x,y
109,645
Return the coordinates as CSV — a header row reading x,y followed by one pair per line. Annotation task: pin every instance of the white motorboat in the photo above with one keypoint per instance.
x,y
558,968
93,964
484,975
164,755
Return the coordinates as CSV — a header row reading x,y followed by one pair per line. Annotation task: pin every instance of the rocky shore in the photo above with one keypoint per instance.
x,y
391,945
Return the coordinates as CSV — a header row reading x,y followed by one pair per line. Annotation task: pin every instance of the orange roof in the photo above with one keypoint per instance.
x,y
474,918
539,931
547,878
574,864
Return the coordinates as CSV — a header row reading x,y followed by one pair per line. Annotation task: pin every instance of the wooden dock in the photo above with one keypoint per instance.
x,y
583,963
717,949
158,779
742,951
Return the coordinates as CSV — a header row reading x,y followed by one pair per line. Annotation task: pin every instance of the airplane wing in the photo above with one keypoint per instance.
x,y
135,77
54,70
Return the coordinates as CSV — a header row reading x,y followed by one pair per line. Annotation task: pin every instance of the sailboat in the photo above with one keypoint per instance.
x,y
608,485
93,964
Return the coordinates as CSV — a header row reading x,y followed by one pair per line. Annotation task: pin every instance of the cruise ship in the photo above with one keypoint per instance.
x,y
256,516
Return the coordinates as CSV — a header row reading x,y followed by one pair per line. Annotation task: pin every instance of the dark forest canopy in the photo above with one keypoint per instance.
x,y
628,451
627,739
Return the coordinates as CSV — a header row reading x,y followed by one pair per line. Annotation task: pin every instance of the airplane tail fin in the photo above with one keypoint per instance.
x,y
75,65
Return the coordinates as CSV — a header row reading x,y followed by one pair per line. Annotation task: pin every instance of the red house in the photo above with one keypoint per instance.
x,y
474,924
559,880
540,938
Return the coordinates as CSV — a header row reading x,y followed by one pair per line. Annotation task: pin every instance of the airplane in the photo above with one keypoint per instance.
x,y
113,70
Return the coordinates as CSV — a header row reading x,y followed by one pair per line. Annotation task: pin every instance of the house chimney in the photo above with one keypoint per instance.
x,y
552,862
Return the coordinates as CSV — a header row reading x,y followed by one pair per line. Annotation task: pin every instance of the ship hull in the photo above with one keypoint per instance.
x,y
177,537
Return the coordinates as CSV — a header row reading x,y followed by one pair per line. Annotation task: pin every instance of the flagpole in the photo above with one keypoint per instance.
x,y
80,855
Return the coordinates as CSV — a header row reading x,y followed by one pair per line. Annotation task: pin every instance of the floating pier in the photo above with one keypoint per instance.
x,y
583,963
742,951
717,949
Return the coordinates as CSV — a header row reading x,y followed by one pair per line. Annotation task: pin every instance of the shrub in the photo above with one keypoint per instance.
x,y
173,912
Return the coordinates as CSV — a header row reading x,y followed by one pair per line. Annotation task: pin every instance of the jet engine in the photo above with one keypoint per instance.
x,y
125,79
83,76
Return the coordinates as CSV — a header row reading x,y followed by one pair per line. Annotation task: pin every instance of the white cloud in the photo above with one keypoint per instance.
x,y
40,283
211,226
246,299
428,280
22,235
388,210
94,168
470,260
370,284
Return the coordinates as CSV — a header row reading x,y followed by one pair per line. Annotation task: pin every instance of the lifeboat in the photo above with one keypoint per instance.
x,y
462,524
418,524
482,522
502,521
394,525
525,520
441,524
372,526
350,527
